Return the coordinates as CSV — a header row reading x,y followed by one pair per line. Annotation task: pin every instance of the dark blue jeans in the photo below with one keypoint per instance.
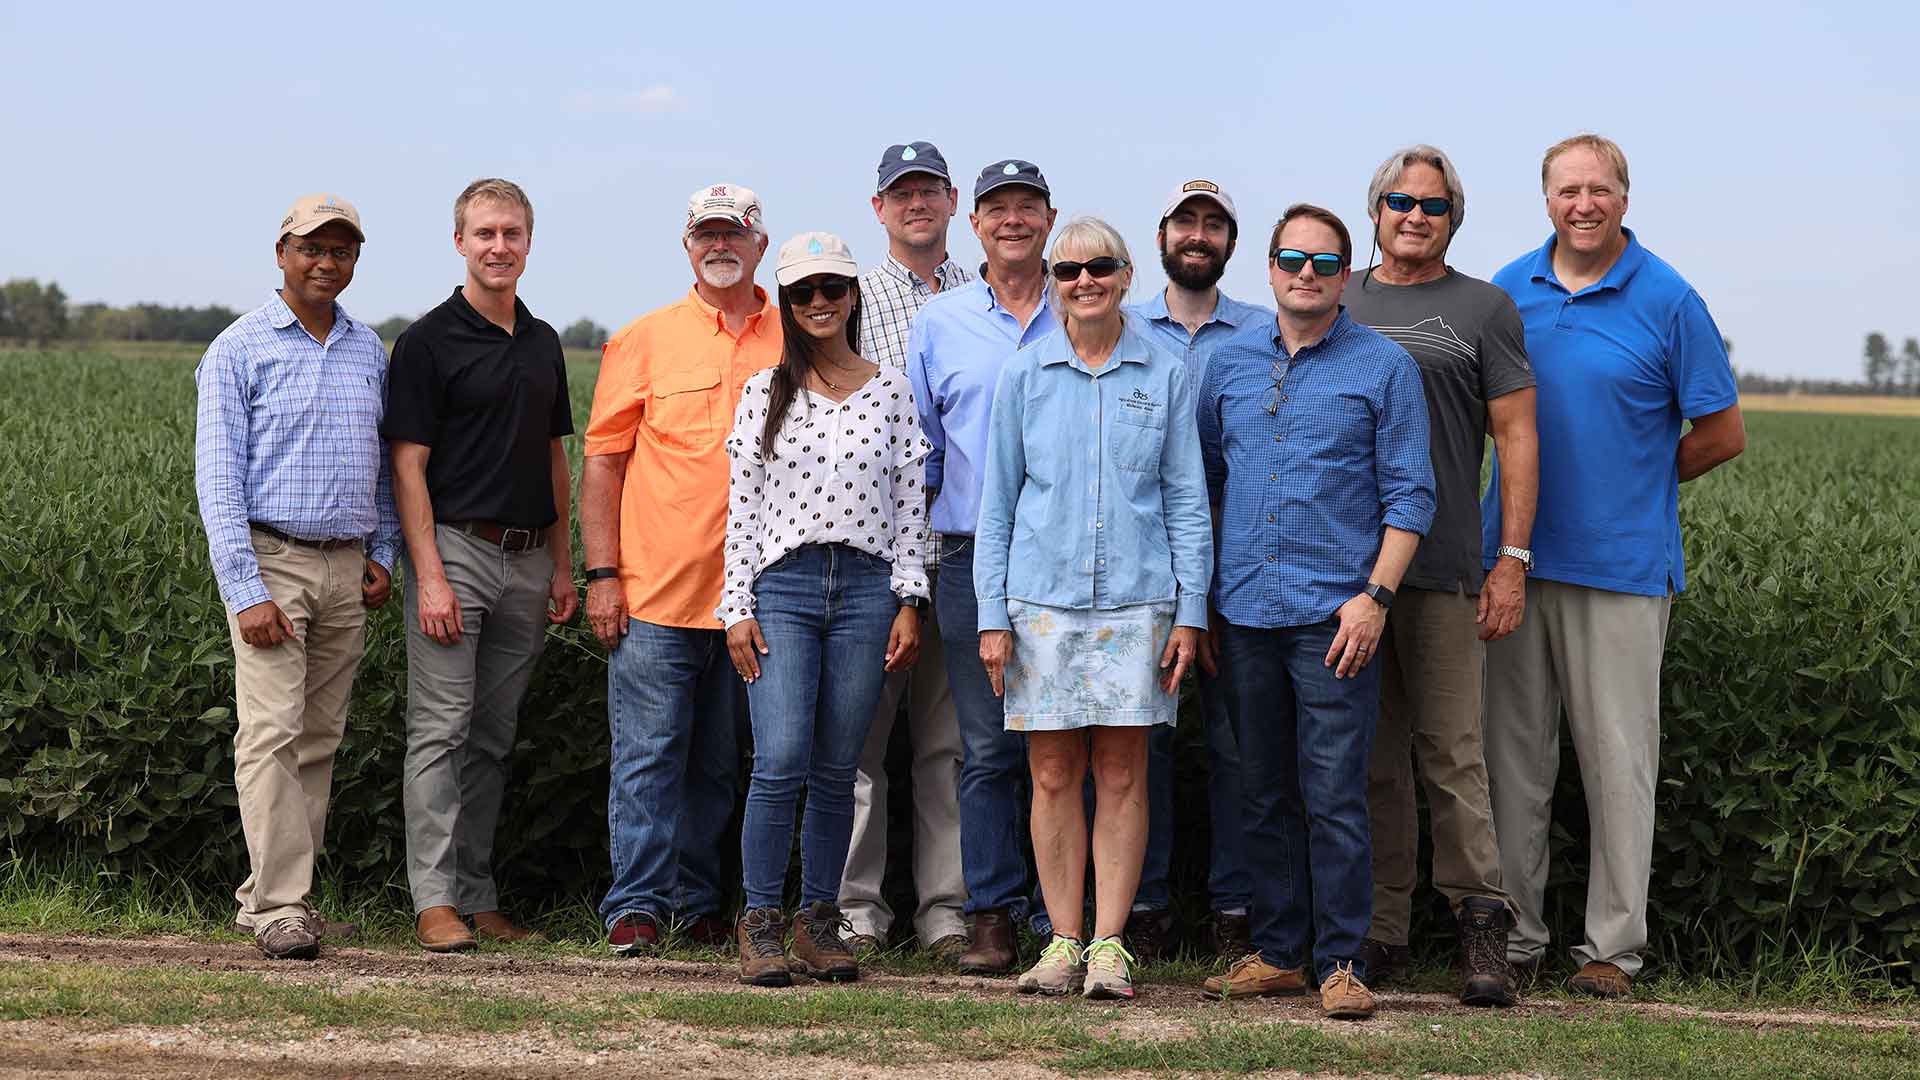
x,y
673,699
993,764
825,611
1227,886
1305,739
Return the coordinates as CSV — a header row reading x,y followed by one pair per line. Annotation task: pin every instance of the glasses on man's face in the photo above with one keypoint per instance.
x,y
800,293
899,196
1325,263
1400,202
315,251
710,237
1103,267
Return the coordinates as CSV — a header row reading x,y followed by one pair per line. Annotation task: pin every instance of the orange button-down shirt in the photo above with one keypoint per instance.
x,y
669,382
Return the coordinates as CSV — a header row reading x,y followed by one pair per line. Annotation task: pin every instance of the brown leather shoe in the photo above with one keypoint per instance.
x,y
762,936
1345,997
818,947
1602,980
1251,976
440,929
493,926
992,951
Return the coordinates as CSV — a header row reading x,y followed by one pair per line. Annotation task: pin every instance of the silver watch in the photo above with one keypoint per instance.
x,y
1525,556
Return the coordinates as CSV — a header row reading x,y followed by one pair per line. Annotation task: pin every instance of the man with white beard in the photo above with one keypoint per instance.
x,y
653,515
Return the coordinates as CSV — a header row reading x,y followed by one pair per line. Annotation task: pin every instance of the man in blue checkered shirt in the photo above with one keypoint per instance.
x,y
297,501
1314,432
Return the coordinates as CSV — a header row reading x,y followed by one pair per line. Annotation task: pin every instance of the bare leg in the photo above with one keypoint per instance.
x,y
1119,824
1058,760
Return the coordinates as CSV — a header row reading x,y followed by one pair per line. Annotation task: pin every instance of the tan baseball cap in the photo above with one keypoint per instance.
x,y
813,253
728,201
1205,189
309,212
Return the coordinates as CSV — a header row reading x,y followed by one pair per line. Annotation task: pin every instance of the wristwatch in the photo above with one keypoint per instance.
x,y
1525,556
599,573
917,603
1379,593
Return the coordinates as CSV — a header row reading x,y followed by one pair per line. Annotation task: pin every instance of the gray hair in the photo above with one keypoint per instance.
x,y
1387,177
1092,238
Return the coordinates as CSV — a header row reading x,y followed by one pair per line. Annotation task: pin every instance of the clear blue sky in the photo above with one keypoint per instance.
x,y
151,150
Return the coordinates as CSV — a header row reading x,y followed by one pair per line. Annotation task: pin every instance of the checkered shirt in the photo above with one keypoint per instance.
x,y
890,296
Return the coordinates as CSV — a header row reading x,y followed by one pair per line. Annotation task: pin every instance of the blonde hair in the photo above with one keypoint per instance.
x,y
1091,238
491,187
1606,149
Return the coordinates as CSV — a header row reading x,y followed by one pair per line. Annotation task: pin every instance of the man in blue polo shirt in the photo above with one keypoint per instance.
x,y
955,351
1198,229
1623,349
1314,432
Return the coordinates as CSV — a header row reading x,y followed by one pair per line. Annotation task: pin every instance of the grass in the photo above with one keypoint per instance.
x,y
1844,404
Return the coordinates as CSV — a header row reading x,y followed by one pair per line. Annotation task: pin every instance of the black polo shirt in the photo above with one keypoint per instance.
x,y
489,403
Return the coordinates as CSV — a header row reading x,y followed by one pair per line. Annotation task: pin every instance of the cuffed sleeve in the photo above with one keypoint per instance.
x,y
1402,456
1006,469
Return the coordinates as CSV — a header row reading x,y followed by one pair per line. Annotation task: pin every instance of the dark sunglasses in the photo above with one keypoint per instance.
x,y
1102,267
1325,263
800,293
1400,202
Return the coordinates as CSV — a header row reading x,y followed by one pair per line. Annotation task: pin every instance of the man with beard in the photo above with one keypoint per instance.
x,y
1465,335
959,343
653,514
1198,230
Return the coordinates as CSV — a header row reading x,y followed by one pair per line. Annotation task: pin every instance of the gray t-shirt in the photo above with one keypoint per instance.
x,y
1466,336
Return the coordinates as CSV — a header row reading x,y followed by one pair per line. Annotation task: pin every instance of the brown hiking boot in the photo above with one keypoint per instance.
x,y
992,951
1345,997
1151,936
493,926
441,929
1251,976
1384,961
1600,979
818,947
1483,954
1232,935
288,939
949,948
762,936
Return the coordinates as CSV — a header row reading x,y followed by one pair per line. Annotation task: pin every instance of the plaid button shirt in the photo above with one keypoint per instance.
x,y
890,296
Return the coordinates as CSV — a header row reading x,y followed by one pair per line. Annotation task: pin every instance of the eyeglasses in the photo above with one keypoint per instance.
x,y
1103,267
1280,370
710,237
315,251
904,196
1400,202
1325,263
800,293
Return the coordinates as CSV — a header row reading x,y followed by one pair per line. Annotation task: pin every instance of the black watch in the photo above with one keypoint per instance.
x,y
917,603
1380,594
600,573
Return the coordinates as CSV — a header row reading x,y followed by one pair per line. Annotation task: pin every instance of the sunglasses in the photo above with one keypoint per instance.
x,y
1325,263
1103,267
1400,202
800,293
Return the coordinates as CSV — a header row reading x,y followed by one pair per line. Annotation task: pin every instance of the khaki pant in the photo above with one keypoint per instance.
x,y
1431,661
292,705
1598,654
934,731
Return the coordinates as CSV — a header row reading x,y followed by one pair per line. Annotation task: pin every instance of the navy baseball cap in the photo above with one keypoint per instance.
x,y
903,158
1010,171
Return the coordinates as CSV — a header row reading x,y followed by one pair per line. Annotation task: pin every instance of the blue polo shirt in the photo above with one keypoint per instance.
x,y
1195,349
958,344
1620,363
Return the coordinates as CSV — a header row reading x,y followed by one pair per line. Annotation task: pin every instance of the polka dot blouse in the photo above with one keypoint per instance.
x,y
847,472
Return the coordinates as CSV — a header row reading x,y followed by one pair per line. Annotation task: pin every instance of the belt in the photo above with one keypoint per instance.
x,y
323,545
504,537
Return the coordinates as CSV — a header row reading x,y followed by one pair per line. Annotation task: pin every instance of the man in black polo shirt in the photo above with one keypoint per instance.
x,y
476,408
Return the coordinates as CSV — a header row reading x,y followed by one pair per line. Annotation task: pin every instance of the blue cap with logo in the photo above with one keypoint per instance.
x,y
914,157
1010,171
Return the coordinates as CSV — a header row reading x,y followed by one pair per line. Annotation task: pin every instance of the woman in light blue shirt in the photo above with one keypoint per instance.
x,y
1092,561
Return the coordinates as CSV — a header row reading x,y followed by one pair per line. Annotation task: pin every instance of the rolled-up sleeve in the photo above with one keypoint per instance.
x,y
220,449
1184,496
1402,456
619,395
1000,494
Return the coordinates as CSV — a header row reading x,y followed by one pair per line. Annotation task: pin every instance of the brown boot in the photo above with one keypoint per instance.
x,y
992,951
1251,976
440,929
817,944
1483,954
1597,978
762,936
493,926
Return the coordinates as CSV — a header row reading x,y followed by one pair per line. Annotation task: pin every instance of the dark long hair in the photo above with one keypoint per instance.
x,y
797,350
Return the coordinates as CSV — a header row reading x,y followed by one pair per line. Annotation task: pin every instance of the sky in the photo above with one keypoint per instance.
x,y
151,151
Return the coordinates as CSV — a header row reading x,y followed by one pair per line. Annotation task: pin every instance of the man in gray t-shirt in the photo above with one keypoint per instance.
x,y
1466,336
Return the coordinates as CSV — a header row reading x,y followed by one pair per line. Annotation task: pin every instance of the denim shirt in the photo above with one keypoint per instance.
x,y
1095,496
1194,349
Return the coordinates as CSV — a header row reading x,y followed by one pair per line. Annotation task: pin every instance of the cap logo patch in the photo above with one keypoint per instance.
x,y
329,201
1201,185
908,154
718,191
813,247
1011,169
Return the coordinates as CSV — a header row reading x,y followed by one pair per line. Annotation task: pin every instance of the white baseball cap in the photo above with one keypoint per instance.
x,y
813,253
1205,189
727,201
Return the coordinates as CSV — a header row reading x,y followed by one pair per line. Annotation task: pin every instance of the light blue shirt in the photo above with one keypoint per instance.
x,y
959,343
1095,494
1195,349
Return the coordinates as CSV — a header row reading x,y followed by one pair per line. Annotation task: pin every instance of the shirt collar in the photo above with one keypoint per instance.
x,y
467,313
1341,324
757,322
1632,257
280,316
1056,349
1225,310
944,273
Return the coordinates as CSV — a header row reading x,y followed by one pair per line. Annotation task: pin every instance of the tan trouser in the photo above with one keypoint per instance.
x,y
1430,680
1598,654
292,704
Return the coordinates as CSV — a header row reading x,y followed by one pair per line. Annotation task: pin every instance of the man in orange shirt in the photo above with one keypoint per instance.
x,y
653,515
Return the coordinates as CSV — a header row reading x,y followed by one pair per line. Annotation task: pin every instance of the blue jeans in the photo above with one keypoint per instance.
x,y
1305,739
1227,886
993,763
825,611
672,702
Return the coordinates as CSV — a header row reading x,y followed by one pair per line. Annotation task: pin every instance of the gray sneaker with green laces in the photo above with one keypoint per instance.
x,y
1060,970
1109,970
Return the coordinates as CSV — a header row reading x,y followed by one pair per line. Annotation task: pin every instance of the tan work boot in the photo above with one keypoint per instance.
x,y
440,929
762,936
1597,978
817,945
493,926
1062,969
1251,976
288,939
1345,997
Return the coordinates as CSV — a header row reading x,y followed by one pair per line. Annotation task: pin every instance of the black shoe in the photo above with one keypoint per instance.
x,y
1232,935
1150,935
1383,962
1483,953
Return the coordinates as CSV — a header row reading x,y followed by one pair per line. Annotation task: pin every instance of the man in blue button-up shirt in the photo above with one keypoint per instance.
x,y
1314,432
1199,227
959,343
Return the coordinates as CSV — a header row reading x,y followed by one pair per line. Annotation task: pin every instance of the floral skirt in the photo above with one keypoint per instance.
x,y
1084,668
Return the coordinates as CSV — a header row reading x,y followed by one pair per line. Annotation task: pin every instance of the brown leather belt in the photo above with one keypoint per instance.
x,y
504,537
324,545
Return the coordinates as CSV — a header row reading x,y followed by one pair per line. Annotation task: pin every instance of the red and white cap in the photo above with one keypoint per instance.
x,y
725,202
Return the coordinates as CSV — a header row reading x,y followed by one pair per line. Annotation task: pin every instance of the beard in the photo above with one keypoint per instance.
x,y
720,273
1188,277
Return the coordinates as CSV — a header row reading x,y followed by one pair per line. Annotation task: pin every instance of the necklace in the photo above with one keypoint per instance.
x,y
830,384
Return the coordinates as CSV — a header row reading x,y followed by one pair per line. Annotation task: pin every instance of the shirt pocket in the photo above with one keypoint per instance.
x,y
1137,437
681,411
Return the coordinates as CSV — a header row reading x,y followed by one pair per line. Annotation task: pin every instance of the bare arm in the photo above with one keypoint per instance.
x,y
1712,441
1503,598
439,608
603,479
1362,619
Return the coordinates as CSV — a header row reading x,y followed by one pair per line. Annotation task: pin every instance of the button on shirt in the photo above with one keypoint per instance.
x,y
1194,349
890,296
1095,497
1304,493
1620,363
960,341
287,433
668,385
846,472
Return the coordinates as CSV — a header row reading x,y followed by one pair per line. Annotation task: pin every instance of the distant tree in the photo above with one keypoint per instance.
x,y
584,334
33,312
1910,366
1878,366
389,329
